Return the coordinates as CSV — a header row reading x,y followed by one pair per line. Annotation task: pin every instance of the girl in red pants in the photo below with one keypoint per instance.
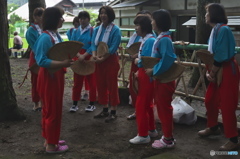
x,y
223,96
144,102
51,86
163,92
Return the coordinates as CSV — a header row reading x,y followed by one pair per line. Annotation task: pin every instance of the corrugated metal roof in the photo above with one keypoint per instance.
x,y
232,21
129,4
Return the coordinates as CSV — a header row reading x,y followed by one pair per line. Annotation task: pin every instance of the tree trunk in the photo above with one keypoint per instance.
x,y
32,4
8,103
202,33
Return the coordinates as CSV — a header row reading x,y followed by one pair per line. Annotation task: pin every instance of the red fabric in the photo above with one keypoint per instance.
x,y
35,95
144,109
51,88
78,83
133,95
31,59
107,80
163,93
224,97
86,85
34,77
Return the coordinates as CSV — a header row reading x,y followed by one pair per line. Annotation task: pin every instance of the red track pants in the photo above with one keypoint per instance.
x,y
224,97
107,81
78,83
34,77
90,83
133,95
144,104
51,88
163,93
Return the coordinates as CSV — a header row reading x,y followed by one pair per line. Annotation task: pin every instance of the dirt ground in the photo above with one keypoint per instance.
x,y
90,138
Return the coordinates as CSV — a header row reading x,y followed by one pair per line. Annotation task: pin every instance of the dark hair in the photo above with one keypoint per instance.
x,y
216,13
163,19
83,14
38,12
110,13
15,33
144,12
51,17
144,22
75,20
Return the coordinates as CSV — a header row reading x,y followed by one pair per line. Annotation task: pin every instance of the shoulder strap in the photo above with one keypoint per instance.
x,y
33,27
50,37
167,36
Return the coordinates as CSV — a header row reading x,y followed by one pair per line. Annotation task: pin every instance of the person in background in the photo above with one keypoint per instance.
x,y
107,66
224,96
76,24
133,39
51,85
83,34
32,34
163,92
144,103
17,42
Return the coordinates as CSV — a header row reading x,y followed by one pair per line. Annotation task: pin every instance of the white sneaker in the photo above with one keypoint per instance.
x,y
74,108
140,140
153,133
90,108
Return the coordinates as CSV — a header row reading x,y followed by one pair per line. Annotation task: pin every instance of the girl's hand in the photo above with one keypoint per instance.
x,y
149,72
210,78
67,62
100,59
81,58
136,61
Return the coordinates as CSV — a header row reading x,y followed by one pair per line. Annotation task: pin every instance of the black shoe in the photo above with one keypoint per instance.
x,y
111,118
102,114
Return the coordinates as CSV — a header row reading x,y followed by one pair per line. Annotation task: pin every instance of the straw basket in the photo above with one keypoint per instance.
x,y
171,74
102,49
63,51
207,58
83,67
134,48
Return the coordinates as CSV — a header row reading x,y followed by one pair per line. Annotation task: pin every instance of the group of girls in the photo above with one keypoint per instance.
x,y
150,90
50,87
223,96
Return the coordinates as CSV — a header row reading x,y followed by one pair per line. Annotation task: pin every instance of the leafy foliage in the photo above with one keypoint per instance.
x,y
12,7
16,21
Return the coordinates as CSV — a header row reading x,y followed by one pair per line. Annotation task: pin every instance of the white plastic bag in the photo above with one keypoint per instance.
x,y
182,112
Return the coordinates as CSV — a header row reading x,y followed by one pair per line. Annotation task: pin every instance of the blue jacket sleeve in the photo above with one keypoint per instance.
x,y
224,45
114,40
41,48
146,50
167,55
31,36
